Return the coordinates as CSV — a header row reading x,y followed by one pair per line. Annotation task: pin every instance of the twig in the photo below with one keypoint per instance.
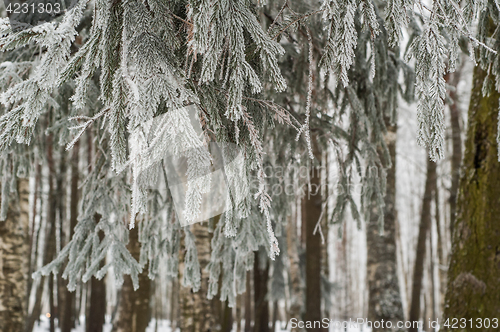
x,y
83,126
318,224
300,18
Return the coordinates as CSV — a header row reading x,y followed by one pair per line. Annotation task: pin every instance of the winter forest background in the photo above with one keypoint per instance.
x,y
249,165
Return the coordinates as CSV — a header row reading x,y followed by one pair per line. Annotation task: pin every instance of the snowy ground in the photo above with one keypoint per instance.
x,y
164,326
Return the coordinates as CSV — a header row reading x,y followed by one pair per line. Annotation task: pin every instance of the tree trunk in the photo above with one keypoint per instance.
x,y
442,261
134,311
14,254
49,249
96,303
51,219
227,318
296,294
384,297
473,290
52,305
67,310
248,303
311,212
238,312
456,137
275,316
58,300
37,308
196,309
425,223
174,303
34,237
261,305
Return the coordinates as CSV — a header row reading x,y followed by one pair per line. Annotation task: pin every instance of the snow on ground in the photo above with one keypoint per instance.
x,y
164,326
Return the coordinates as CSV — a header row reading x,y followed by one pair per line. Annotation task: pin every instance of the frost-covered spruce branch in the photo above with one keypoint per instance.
x,y
305,127
143,53
262,195
27,100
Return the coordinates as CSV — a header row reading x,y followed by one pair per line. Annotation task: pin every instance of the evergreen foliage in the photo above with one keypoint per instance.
x,y
260,75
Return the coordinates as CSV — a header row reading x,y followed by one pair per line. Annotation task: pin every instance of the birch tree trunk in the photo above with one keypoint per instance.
x,y
384,297
473,290
34,237
14,252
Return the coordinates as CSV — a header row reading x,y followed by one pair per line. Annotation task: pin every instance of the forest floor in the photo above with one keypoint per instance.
x,y
164,326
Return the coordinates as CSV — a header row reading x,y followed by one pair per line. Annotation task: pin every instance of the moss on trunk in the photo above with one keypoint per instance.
x,y
474,274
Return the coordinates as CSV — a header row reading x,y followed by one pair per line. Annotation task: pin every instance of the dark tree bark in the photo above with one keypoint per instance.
x,y
248,303
311,212
261,305
384,297
14,246
425,223
227,318
134,310
238,315
96,303
473,290
58,302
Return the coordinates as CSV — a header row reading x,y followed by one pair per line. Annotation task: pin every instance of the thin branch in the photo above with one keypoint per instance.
x,y
295,21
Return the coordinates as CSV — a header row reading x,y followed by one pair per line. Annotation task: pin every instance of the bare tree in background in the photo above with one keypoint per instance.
x,y
425,224
134,311
196,309
384,297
